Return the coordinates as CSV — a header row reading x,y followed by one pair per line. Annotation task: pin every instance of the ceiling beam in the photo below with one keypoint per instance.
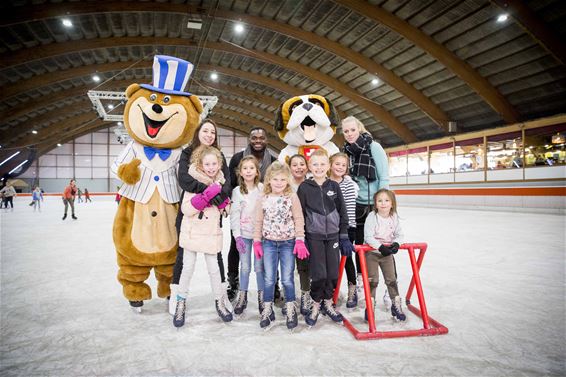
x,y
450,60
373,108
418,98
537,28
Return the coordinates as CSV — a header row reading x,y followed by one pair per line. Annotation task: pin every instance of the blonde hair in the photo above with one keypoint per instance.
x,y
319,153
358,123
338,155
241,183
274,169
203,150
391,195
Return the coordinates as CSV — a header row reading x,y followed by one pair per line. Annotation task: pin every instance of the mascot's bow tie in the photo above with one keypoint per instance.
x,y
150,153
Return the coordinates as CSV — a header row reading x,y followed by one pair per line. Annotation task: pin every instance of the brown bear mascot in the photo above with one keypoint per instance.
x,y
160,118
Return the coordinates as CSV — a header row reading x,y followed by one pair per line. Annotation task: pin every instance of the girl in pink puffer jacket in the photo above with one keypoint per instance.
x,y
201,231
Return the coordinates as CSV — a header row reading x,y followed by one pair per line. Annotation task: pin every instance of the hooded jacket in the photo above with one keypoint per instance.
x,y
324,210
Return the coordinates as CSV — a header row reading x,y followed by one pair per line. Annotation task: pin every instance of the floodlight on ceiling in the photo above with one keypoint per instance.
x,y
214,76
66,22
96,78
194,24
97,96
375,81
502,17
239,28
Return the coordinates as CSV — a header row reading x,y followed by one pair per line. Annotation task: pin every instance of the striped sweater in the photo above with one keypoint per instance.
x,y
350,190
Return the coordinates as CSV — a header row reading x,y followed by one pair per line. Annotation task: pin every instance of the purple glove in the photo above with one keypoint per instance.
x,y
240,245
224,203
258,249
211,191
199,202
301,250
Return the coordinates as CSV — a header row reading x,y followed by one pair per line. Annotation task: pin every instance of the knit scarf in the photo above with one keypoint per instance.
x,y
361,161
263,163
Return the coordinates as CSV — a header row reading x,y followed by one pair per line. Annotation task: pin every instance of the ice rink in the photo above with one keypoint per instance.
x,y
495,279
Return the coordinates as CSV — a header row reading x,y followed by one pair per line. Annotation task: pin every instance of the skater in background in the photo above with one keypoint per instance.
x,y
278,236
118,196
369,167
326,236
201,231
69,198
339,174
8,194
87,196
79,195
205,134
299,169
257,147
383,232
37,198
245,196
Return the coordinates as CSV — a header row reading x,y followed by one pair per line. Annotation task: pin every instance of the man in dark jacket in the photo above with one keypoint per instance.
x,y
257,147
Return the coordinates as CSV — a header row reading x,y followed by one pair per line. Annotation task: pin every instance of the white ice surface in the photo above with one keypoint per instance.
x,y
496,280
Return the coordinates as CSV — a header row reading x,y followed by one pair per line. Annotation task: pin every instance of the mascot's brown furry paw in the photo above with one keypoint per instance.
x,y
160,118
130,173
306,123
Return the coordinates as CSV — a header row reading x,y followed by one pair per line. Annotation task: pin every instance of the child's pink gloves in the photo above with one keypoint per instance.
x,y
240,245
258,249
200,201
224,203
301,250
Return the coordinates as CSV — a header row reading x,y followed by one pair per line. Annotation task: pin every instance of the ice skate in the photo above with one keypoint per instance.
x,y
366,314
386,300
173,302
278,298
223,312
396,310
180,308
327,308
267,316
312,317
352,300
306,303
241,303
291,315
74,217
136,306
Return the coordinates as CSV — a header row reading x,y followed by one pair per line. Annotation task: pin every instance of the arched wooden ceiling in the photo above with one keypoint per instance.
x,y
437,61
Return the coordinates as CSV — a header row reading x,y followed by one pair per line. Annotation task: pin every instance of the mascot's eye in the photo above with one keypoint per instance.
x,y
153,97
317,102
292,107
166,99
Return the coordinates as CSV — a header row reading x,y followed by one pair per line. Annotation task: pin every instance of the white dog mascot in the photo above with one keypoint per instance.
x,y
306,123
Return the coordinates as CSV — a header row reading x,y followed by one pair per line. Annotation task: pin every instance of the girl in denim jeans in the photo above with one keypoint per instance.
x,y
280,225
242,218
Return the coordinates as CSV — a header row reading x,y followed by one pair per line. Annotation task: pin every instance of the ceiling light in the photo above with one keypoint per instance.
x,y
194,24
66,22
110,106
119,123
96,78
502,17
58,144
214,76
17,167
9,158
239,28
375,81
34,132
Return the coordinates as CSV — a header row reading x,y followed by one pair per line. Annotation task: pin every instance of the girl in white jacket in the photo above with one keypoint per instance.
x,y
201,232
242,217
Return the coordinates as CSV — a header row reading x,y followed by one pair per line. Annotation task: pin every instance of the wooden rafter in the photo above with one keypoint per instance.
x,y
450,60
418,98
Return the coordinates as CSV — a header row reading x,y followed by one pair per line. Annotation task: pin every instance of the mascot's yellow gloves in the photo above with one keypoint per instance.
x,y
130,173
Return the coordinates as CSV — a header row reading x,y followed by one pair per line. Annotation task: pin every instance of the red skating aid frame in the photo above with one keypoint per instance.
x,y
430,326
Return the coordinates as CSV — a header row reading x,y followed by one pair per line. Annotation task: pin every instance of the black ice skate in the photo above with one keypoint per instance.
x,y
291,314
267,316
136,306
222,311
306,303
241,302
179,317
396,310
352,301
312,317
327,308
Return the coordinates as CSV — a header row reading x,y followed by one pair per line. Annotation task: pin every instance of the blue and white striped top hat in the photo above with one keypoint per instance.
x,y
170,75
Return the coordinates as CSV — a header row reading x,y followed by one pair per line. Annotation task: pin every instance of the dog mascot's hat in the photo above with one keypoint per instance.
x,y
170,75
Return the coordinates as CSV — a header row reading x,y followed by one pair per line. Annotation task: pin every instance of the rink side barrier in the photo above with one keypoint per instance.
x,y
430,326
24,194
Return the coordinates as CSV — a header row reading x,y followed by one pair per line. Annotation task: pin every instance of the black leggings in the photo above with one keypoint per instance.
x,y
349,267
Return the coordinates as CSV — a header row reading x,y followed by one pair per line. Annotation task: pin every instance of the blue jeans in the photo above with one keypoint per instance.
x,y
273,253
246,267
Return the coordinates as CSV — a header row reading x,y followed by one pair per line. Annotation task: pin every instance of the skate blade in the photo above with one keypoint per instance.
x,y
292,330
269,327
240,317
136,310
